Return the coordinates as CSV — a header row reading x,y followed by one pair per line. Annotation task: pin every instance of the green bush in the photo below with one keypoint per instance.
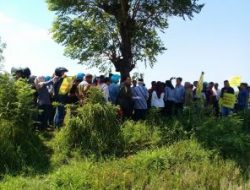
x,y
94,129
227,135
245,117
20,147
173,131
94,96
194,116
155,117
139,135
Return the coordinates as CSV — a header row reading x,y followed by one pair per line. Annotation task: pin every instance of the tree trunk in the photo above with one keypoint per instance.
x,y
126,33
124,74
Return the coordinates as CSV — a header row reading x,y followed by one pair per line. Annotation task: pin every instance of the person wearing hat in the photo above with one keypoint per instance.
x,y
26,73
61,99
114,88
17,72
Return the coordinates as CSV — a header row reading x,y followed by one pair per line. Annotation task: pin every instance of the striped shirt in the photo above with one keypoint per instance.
x,y
140,97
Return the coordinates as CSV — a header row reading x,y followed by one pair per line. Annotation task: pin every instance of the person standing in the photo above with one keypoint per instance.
x,y
73,93
114,88
243,96
217,98
169,97
248,89
225,111
210,94
195,85
217,91
150,91
157,99
43,101
125,100
103,86
140,96
188,99
83,87
179,96
61,99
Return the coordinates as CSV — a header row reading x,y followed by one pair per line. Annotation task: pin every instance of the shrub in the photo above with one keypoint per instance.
x,y
245,117
228,136
192,117
173,131
171,128
94,96
155,117
93,128
137,136
20,147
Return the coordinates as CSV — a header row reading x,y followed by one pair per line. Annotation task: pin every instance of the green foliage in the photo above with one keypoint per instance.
x,y
137,136
244,116
94,129
155,117
171,129
101,32
95,96
185,165
2,46
228,136
194,116
19,146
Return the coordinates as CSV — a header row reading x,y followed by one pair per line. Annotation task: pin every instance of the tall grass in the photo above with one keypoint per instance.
x,y
185,165
20,147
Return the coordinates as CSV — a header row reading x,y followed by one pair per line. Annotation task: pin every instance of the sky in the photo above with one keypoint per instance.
x,y
216,41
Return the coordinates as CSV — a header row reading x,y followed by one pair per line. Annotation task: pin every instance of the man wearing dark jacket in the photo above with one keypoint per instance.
x,y
59,98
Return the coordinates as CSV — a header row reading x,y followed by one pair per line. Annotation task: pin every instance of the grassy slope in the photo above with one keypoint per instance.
x,y
184,165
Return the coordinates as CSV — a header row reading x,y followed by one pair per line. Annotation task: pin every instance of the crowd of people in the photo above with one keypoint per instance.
x,y
132,96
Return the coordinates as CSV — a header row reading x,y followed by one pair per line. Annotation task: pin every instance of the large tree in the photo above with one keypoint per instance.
x,y
100,33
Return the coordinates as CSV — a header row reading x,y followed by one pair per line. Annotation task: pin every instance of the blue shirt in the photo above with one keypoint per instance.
x,y
169,94
179,93
113,92
140,96
243,98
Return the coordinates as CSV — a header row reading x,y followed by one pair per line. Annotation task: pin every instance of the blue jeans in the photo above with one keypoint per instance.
x,y
225,111
59,116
